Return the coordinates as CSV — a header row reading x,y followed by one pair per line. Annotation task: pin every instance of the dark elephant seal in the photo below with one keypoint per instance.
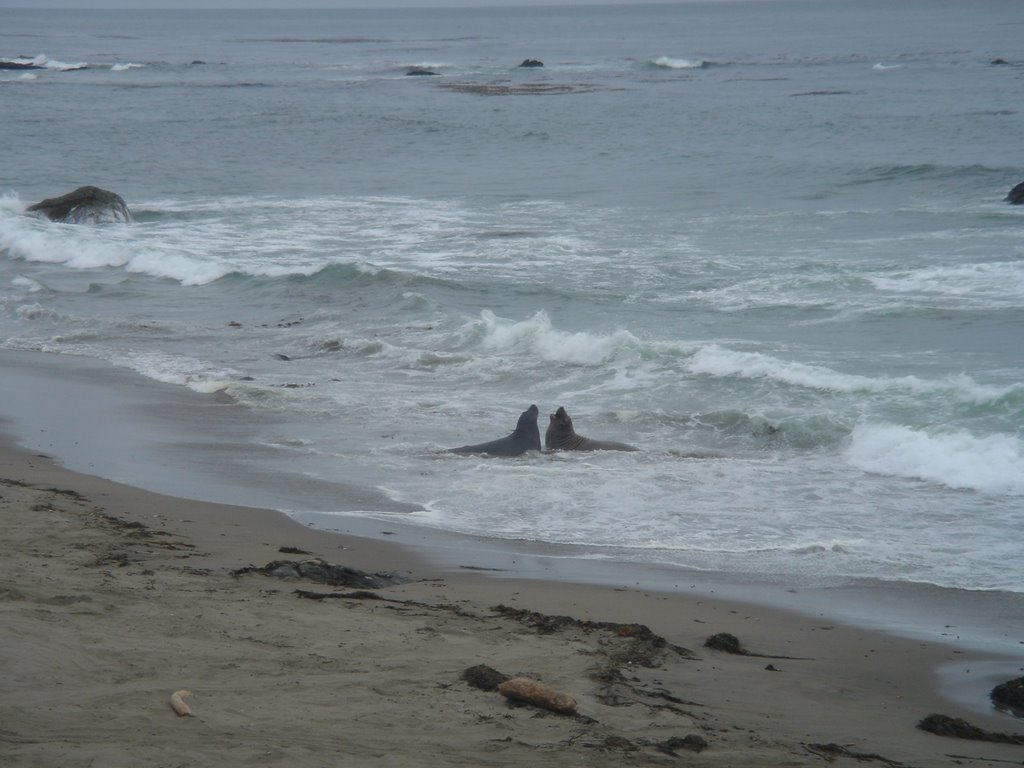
x,y
525,437
560,436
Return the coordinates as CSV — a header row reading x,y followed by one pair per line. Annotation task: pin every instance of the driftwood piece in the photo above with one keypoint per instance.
x,y
538,694
181,709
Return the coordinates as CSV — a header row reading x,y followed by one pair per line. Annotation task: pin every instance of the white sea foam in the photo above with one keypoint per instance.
x,y
42,60
30,285
883,67
993,464
192,254
11,203
997,281
195,374
178,266
80,248
537,335
667,62
126,66
35,61
36,311
717,361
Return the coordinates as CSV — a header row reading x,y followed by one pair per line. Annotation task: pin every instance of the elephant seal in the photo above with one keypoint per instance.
x,y
560,436
525,437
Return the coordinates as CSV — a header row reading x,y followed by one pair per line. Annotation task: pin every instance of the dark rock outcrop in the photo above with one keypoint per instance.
x,y
723,641
483,677
1016,195
419,72
1009,697
86,205
532,63
19,65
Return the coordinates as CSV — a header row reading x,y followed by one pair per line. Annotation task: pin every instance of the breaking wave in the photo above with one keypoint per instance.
x,y
717,361
993,464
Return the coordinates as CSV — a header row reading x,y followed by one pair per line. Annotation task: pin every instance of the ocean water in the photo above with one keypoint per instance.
x,y
764,242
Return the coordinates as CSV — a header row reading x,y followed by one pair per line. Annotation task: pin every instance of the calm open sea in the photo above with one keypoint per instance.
x,y
765,242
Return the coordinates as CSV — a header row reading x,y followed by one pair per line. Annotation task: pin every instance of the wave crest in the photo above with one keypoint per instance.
x,y
1001,281
538,336
668,62
716,361
993,464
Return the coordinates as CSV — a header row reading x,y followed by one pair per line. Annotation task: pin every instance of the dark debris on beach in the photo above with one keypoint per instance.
x,y
646,642
323,572
1009,697
729,643
957,727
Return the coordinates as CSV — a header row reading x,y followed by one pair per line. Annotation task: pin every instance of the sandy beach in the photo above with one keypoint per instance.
x,y
113,599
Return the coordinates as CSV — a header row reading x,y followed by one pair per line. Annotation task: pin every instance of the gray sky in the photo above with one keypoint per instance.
x,y
299,4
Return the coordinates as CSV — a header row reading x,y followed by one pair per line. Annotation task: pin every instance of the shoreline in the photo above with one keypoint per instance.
x,y
84,580
167,439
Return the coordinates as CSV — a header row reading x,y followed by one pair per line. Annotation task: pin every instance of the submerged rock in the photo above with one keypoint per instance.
x,y
86,205
532,63
19,65
1016,195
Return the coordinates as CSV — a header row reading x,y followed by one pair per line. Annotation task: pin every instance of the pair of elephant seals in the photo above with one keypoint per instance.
x,y
560,436
525,437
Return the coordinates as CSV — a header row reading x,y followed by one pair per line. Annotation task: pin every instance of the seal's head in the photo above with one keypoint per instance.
x,y
560,417
559,428
527,427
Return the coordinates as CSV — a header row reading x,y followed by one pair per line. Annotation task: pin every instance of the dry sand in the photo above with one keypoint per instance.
x,y
112,599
